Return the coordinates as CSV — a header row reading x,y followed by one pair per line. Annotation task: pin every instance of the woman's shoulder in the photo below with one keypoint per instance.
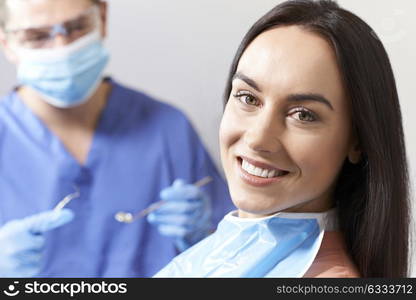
x,y
333,259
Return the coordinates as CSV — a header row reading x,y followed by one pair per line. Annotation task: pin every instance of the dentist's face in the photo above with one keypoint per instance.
x,y
38,13
286,129
29,21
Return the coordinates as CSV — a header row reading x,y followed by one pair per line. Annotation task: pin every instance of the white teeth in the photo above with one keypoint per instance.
x,y
258,171
253,170
250,168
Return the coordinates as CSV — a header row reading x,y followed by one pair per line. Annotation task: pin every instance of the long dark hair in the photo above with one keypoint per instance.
x,y
373,195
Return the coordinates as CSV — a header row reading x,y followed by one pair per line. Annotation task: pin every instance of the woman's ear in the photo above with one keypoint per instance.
x,y
354,154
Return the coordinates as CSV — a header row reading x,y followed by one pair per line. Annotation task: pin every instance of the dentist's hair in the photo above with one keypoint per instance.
x,y
373,195
4,11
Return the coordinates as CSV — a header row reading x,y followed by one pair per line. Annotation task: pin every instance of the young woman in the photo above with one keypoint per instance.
x,y
313,150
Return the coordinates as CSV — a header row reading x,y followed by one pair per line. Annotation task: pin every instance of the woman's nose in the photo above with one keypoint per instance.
x,y
263,135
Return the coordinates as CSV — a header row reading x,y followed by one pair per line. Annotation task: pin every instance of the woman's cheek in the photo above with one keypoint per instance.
x,y
319,161
231,128
226,136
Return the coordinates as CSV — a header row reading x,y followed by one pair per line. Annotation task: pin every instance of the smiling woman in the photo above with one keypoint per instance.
x,y
313,150
345,149
278,118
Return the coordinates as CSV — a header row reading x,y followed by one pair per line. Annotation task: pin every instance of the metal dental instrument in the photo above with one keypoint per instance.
x,y
126,217
61,204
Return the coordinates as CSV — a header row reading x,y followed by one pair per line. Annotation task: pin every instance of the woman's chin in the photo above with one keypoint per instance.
x,y
253,209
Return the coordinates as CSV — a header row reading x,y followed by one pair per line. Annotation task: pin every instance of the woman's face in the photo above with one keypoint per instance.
x,y
286,129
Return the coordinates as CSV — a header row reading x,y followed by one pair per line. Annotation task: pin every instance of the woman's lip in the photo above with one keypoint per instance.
x,y
260,164
256,180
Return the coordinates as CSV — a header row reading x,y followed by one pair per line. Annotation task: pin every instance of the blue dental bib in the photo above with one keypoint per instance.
x,y
281,245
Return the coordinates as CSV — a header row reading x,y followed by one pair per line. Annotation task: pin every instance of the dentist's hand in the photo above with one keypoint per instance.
x,y
186,215
21,242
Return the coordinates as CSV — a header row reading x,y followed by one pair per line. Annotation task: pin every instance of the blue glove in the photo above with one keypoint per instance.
x,y
21,242
186,215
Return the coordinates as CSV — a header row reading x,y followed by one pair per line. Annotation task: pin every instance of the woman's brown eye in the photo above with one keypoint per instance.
x,y
304,116
246,99
249,100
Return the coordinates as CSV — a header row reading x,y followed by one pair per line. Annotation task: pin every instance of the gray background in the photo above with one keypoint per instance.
x,y
180,51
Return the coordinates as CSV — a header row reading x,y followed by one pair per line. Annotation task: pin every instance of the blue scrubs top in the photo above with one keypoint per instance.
x,y
140,147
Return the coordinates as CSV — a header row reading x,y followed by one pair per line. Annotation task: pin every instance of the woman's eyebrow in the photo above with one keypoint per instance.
x,y
292,98
247,80
309,97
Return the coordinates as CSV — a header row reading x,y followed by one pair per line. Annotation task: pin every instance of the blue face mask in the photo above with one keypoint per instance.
x,y
283,245
64,76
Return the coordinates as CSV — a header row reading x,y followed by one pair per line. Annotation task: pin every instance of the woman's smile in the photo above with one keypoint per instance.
x,y
257,173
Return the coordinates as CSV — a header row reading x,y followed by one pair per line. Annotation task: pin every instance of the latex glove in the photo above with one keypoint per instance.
x,y
186,215
21,242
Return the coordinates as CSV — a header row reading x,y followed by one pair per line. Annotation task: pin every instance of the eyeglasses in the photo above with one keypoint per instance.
x,y
43,37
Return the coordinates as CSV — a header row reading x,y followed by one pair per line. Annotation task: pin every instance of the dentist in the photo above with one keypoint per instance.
x,y
65,127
